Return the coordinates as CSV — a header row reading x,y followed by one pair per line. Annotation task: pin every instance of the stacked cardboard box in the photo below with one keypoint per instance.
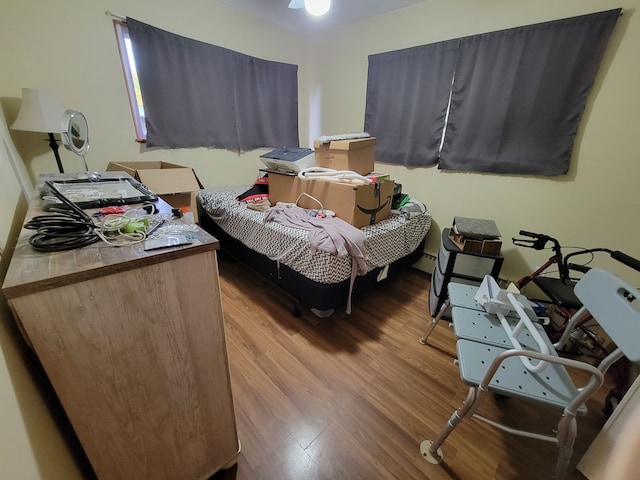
x,y
360,205
356,155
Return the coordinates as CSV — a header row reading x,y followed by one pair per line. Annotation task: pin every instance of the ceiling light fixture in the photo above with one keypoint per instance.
x,y
316,8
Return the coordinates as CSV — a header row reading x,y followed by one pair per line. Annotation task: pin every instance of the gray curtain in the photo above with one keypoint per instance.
x,y
201,95
519,94
407,98
266,103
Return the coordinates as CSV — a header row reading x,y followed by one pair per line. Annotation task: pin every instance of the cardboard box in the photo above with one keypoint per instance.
x,y
175,184
473,245
476,235
357,204
356,155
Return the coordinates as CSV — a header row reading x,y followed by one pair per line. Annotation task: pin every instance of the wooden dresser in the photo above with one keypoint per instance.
x,y
133,343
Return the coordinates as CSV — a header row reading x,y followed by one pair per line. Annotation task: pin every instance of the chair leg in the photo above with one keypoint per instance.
x,y
567,432
431,450
434,322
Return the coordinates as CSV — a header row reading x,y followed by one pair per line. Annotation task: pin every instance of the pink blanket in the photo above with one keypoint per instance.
x,y
330,234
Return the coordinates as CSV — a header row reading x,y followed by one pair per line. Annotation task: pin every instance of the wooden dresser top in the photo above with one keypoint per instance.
x,y
32,271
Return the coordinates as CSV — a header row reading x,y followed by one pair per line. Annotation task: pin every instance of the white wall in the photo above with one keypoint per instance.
x,y
69,46
30,444
592,206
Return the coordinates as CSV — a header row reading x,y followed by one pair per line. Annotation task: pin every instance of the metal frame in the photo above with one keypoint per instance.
x,y
489,363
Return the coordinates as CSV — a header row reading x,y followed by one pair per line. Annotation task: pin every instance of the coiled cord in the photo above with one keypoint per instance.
x,y
70,227
112,229
65,230
343,176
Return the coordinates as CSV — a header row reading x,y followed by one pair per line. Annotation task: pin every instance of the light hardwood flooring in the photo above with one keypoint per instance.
x,y
352,396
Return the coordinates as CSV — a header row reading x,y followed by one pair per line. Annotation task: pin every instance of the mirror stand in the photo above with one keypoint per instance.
x,y
75,137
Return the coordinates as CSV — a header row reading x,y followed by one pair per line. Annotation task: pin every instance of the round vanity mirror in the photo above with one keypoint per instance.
x,y
75,137
75,132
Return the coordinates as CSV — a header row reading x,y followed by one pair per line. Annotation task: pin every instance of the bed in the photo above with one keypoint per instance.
x,y
320,282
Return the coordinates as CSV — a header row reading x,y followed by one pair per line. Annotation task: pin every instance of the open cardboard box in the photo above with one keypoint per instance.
x,y
357,204
175,184
356,155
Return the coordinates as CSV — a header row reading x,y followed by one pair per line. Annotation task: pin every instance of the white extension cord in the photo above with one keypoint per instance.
x,y
343,176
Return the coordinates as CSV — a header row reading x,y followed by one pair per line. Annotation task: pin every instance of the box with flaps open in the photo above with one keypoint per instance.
x,y
360,205
175,184
356,154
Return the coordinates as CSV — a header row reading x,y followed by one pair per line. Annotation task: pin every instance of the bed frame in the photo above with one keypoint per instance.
x,y
321,299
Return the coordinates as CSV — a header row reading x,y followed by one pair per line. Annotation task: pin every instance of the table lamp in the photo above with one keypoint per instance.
x,y
41,111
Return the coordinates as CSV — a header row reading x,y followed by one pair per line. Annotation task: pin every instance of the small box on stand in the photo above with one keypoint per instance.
x,y
476,235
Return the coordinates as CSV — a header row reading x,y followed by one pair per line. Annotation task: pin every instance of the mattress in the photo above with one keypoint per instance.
x,y
386,241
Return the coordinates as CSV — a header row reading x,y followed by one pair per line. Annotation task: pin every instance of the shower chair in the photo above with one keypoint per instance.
x,y
502,349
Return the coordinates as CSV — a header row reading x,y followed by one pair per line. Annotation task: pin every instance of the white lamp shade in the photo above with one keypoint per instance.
x,y
40,111
317,7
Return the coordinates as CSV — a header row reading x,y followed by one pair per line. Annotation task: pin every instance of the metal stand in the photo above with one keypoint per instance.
x,y
54,146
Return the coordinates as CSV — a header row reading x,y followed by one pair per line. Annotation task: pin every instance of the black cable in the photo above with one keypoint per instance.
x,y
67,229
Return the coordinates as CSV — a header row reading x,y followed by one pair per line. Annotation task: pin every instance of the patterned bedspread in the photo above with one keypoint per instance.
x,y
386,241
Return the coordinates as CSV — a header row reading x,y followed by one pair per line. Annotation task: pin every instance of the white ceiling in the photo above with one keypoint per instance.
x,y
343,12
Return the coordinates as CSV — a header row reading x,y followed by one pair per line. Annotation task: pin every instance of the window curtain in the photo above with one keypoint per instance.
x,y
266,102
201,95
406,102
519,94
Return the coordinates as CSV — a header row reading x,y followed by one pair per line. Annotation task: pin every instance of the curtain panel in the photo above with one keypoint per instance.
x,y
502,102
266,103
519,94
200,95
407,98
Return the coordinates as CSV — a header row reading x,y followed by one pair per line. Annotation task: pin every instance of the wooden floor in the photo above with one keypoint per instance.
x,y
352,396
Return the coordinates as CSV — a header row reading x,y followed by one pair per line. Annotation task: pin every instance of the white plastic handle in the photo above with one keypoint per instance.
x,y
525,322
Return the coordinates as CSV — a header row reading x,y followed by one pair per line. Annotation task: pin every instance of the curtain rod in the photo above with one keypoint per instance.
x,y
124,19
116,16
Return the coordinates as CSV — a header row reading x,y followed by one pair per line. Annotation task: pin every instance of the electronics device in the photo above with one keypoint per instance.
x,y
167,241
98,193
289,159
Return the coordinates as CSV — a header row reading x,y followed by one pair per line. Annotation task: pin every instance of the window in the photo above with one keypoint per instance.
x,y
408,96
501,102
200,95
131,79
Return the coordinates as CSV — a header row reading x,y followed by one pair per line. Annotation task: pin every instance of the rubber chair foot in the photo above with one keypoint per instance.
x,y
425,450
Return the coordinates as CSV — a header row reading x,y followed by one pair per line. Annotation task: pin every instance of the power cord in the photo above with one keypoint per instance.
x,y
67,229
70,227
329,174
125,229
